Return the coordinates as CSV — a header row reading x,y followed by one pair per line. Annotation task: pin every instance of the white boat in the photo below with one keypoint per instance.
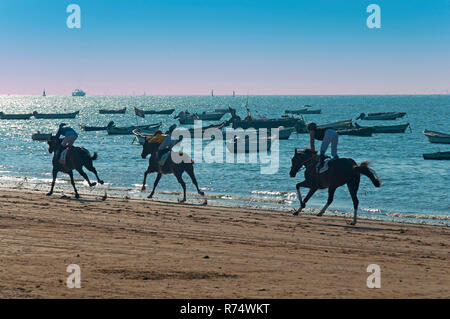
x,y
78,92
437,137
142,133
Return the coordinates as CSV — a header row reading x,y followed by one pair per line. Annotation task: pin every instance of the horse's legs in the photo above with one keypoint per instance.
x,y
183,184
190,171
353,187
299,196
73,184
158,177
331,191
145,178
309,195
54,173
82,173
91,168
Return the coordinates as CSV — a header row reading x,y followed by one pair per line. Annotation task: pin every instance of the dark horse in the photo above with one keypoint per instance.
x,y
340,171
169,167
76,158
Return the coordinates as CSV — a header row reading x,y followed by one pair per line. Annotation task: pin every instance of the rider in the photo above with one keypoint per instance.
x,y
327,136
165,141
69,136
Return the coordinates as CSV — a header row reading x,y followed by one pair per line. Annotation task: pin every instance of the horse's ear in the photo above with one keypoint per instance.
x,y
296,150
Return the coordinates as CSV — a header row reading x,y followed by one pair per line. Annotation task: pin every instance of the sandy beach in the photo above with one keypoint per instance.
x,y
150,249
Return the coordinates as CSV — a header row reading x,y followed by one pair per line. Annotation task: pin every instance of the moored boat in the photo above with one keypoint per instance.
x,y
167,112
142,133
210,116
367,131
4,116
55,115
381,116
78,92
93,128
437,137
401,128
437,156
121,111
42,137
303,111
114,130
341,125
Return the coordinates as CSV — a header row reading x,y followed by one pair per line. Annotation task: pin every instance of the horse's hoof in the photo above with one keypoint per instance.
x,y
296,213
77,196
142,189
320,214
202,193
49,194
101,182
353,223
182,200
150,196
205,203
93,184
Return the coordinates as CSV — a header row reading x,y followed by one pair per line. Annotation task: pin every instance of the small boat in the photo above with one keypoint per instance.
x,y
167,112
210,116
437,156
437,137
341,125
55,115
381,116
303,111
121,111
224,111
401,128
4,116
186,118
42,137
367,131
114,130
93,128
200,131
284,132
250,146
78,92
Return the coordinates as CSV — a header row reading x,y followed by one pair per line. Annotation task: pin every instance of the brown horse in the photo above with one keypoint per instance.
x,y
76,158
340,172
169,167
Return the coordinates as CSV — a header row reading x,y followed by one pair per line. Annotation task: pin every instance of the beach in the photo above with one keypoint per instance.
x,y
133,248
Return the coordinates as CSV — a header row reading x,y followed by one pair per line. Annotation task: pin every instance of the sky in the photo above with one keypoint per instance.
x,y
188,47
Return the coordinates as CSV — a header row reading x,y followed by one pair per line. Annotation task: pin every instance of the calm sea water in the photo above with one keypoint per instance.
x,y
413,190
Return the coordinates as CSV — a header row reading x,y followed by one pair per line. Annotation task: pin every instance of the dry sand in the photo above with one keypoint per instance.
x,y
151,249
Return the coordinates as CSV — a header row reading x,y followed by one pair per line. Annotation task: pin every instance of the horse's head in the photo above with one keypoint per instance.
x,y
54,144
300,158
148,148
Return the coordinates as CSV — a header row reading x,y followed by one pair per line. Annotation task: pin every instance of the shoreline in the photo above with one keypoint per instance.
x,y
132,248
229,201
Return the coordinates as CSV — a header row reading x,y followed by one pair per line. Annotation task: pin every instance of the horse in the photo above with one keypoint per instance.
x,y
340,172
169,167
76,158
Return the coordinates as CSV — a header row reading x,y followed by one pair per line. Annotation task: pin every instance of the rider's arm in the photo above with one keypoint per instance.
x,y
311,140
58,134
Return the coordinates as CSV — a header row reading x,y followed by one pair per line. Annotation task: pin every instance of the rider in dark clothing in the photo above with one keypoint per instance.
x,y
327,136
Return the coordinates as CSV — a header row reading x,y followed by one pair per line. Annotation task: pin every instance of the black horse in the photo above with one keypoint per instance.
x,y
169,167
340,172
76,158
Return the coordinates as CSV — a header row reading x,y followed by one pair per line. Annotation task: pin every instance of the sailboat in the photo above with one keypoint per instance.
x,y
43,94
212,93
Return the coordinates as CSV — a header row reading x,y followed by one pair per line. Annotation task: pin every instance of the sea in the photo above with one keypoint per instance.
x,y
413,190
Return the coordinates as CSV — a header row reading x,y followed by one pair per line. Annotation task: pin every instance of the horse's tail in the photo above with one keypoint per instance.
x,y
365,170
95,156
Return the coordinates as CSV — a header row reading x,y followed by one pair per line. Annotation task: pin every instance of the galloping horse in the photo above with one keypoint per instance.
x,y
169,167
340,171
76,158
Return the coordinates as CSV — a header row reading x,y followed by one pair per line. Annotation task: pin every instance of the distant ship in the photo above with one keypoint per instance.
x,y
78,92
212,92
43,94
234,94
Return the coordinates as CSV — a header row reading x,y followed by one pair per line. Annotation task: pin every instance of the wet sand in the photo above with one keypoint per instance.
x,y
150,249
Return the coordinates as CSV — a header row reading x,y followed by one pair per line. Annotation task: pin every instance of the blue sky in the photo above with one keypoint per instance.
x,y
260,47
